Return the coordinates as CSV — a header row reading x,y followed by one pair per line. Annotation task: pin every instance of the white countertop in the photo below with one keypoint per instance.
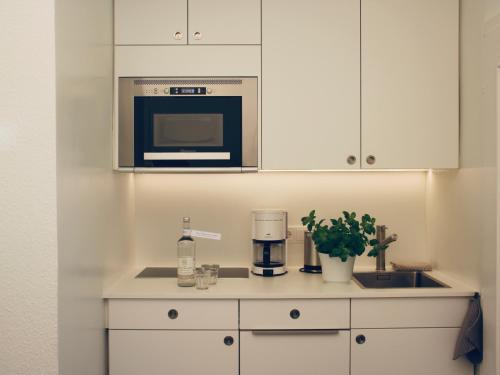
x,y
295,284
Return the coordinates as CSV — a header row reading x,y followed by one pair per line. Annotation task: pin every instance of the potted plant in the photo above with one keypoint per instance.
x,y
339,242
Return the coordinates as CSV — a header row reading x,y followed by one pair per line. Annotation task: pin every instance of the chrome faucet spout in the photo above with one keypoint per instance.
x,y
383,241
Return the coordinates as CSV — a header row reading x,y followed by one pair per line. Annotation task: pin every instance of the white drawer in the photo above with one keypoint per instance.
x,y
172,314
408,312
294,314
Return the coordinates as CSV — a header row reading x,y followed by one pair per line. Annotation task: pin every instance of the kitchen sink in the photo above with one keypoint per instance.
x,y
399,279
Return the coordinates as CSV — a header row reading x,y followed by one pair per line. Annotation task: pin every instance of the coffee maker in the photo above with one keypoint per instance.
x,y
269,233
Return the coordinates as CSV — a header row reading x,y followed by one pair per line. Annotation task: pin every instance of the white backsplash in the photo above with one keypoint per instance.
x,y
223,202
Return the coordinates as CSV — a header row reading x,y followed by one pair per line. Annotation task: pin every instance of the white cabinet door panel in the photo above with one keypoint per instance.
x,y
410,78
224,21
312,314
294,353
150,21
311,84
416,351
157,352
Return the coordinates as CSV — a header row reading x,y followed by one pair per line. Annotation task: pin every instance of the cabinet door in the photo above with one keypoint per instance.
x,y
410,60
150,21
294,352
154,352
224,22
406,351
310,84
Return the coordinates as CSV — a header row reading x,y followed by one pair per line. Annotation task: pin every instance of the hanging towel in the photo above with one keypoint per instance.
x,y
470,338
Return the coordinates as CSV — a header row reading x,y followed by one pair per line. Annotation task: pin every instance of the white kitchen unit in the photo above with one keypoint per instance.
x,y
407,336
224,21
292,324
319,112
311,79
161,22
295,352
172,336
157,352
294,337
410,83
150,22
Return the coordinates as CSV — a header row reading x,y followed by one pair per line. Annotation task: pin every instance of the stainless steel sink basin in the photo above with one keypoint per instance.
x,y
398,279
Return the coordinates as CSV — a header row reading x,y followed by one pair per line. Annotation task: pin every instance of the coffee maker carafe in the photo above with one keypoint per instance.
x,y
269,233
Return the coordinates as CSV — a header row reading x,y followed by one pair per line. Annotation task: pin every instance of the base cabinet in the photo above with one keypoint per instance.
x,y
294,352
160,352
412,351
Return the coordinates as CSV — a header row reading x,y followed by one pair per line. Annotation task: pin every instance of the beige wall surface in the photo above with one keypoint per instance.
x,y
462,209
94,204
28,234
223,203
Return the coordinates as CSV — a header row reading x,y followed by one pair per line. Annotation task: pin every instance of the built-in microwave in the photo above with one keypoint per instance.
x,y
187,124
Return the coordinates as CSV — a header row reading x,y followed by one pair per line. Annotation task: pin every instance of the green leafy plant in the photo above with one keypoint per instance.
x,y
345,237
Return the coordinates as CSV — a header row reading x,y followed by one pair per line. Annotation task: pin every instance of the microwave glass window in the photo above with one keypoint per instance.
x,y
188,130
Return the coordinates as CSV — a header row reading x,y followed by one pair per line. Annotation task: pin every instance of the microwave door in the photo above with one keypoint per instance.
x,y
190,132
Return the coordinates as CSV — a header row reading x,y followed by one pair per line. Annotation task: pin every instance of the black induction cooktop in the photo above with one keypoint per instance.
x,y
170,272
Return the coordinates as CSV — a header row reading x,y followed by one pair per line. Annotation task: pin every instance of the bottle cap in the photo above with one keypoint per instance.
x,y
186,219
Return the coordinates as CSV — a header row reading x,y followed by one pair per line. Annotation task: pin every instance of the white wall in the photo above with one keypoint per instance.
x,y
95,205
28,234
462,209
222,203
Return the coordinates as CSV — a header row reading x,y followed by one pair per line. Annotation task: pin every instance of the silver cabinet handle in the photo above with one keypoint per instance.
x,y
351,159
173,314
290,332
371,159
360,339
197,35
178,35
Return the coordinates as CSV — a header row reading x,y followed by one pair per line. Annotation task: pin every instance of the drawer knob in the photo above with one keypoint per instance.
x,y
295,314
178,35
228,340
351,160
360,339
197,35
371,159
173,314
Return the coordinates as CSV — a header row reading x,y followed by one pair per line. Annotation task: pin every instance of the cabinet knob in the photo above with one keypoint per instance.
x,y
360,339
228,340
351,159
197,35
371,159
178,35
295,314
173,314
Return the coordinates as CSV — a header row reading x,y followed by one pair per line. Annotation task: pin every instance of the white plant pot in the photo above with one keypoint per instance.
x,y
334,270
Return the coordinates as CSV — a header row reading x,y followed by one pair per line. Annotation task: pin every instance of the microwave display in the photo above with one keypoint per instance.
x,y
188,91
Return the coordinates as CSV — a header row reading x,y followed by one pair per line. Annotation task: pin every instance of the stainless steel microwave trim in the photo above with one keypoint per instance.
x,y
292,332
187,156
188,170
246,87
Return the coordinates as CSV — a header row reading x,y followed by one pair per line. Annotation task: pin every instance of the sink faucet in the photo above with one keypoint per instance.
x,y
383,240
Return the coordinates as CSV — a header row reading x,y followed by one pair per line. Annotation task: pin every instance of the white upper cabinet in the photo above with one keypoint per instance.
x,y
162,22
150,21
224,21
311,84
410,95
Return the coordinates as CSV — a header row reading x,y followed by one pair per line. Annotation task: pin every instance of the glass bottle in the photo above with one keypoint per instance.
x,y
186,248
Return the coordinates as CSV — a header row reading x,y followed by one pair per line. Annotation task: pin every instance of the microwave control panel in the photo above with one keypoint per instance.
x,y
188,91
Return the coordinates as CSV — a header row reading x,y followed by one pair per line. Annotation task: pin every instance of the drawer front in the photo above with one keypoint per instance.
x,y
294,352
294,314
172,314
408,312
160,352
